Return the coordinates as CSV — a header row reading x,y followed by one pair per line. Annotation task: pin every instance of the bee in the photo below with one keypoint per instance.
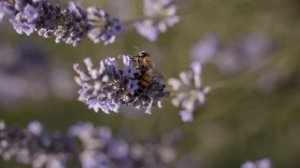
x,y
142,61
148,74
146,66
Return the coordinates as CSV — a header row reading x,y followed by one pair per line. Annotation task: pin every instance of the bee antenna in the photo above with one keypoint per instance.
x,y
136,47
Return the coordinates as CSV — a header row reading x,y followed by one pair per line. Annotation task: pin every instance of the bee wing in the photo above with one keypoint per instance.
x,y
157,74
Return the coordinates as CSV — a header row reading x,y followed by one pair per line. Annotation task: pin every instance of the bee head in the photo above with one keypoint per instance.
x,y
143,54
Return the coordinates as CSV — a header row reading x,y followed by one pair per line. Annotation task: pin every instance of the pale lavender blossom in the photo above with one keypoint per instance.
x,y
189,91
104,28
251,52
206,49
2,12
160,15
263,163
255,50
26,28
229,61
186,115
6,9
112,85
29,13
147,30
69,25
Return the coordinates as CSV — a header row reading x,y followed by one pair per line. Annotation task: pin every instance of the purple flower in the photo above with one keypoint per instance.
x,y
110,86
206,49
161,15
186,116
5,9
26,28
263,163
69,25
103,27
251,52
132,86
95,147
190,93
255,50
119,150
29,13
28,146
147,30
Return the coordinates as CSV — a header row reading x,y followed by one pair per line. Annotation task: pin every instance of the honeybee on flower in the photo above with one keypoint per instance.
x,y
136,84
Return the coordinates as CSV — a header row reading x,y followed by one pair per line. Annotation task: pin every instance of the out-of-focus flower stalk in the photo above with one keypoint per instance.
x,y
263,163
69,25
95,147
160,15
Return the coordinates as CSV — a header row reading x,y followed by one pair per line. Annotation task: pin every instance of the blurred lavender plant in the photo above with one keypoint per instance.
x,y
206,49
20,66
101,149
189,91
72,24
24,69
160,15
35,146
68,25
95,147
251,52
110,86
263,163
269,80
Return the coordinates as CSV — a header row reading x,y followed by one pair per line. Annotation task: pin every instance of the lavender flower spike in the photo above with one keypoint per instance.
x,y
111,85
108,32
190,91
69,25
263,163
161,15
35,146
94,147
